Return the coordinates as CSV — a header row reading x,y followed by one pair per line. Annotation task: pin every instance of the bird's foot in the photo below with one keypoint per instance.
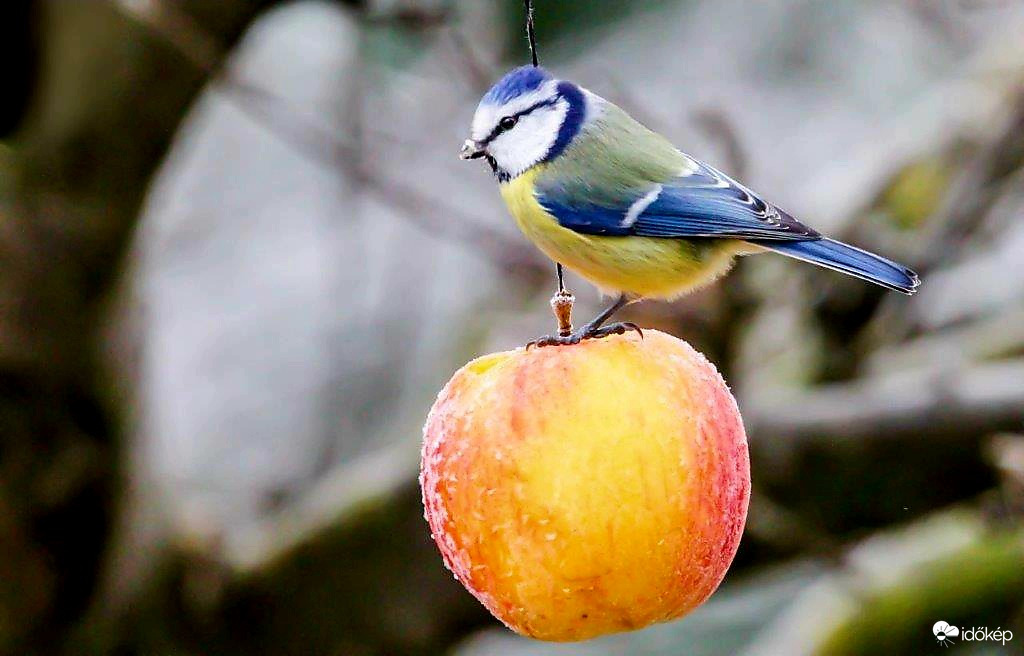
x,y
555,340
618,328
586,332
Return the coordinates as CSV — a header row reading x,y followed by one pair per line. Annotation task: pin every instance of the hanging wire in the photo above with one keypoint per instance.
x,y
531,36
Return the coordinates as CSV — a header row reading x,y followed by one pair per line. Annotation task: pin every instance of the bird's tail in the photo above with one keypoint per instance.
x,y
852,261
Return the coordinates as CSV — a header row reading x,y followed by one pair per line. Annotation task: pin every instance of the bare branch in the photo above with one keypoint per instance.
x,y
716,124
328,148
179,30
985,398
478,73
434,216
975,191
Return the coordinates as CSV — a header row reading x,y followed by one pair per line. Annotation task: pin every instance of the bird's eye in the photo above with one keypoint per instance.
x,y
507,123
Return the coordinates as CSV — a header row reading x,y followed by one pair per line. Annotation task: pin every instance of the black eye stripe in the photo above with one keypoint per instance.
x,y
498,129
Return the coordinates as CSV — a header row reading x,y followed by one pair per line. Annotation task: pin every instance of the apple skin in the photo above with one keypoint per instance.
x,y
589,489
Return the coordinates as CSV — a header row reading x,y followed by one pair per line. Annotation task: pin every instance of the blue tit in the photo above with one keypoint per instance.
x,y
621,206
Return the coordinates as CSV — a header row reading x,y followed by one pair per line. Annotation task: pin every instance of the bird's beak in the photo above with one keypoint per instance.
x,y
472,150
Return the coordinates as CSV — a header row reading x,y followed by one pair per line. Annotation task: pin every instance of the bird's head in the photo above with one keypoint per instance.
x,y
526,118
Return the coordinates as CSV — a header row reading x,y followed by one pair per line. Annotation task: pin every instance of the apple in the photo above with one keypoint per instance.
x,y
588,489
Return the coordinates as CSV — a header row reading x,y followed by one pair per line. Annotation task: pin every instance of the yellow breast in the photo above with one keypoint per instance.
x,y
640,266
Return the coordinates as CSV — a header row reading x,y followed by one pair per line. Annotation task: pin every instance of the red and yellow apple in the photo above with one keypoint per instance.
x,y
587,489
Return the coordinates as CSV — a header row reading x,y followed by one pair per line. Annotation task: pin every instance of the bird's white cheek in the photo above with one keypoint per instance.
x,y
529,141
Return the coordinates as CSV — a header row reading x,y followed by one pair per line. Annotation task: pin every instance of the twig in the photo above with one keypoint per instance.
x,y
330,149
716,125
411,18
985,398
325,146
178,29
478,74
973,194
971,339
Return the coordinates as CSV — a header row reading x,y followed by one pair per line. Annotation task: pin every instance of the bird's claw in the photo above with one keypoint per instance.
x,y
614,329
556,340
586,333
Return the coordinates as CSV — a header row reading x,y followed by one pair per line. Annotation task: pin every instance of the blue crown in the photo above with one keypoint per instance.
x,y
515,83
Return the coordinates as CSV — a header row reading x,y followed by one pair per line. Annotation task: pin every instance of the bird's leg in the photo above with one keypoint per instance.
x,y
596,328
562,302
595,324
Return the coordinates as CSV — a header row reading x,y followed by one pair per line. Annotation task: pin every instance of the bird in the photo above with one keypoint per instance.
x,y
608,198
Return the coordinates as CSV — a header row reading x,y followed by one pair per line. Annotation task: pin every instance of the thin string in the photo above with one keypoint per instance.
x,y
531,36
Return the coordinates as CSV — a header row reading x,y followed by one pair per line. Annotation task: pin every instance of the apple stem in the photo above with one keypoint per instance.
x,y
561,305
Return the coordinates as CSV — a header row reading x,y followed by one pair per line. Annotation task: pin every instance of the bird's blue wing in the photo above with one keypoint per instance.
x,y
701,203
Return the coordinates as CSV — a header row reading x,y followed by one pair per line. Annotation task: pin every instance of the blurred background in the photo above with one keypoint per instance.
x,y
239,257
